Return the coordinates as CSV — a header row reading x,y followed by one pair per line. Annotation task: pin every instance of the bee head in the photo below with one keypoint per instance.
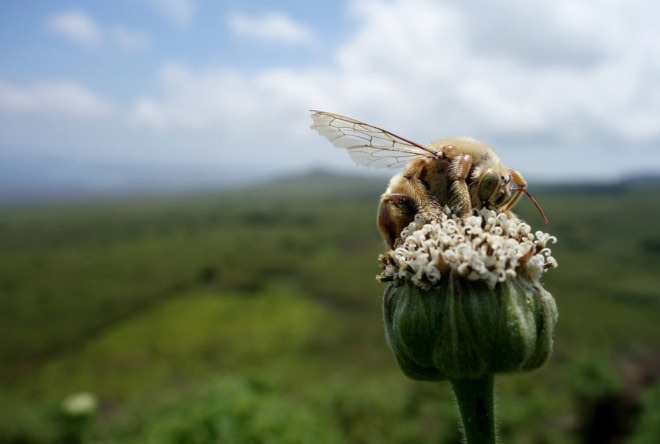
x,y
493,189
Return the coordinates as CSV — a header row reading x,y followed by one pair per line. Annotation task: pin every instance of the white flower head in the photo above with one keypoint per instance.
x,y
485,246
80,404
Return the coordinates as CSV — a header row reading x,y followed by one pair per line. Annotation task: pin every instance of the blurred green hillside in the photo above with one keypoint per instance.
x,y
253,316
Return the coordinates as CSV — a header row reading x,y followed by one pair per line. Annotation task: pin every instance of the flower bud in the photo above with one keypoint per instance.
x,y
464,297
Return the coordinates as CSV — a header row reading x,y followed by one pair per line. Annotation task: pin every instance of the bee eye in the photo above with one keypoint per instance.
x,y
489,185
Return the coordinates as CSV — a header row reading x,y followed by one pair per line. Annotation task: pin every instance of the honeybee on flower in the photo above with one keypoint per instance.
x,y
461,172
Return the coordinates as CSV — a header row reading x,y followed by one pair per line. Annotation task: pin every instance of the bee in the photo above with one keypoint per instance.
x,y
461,172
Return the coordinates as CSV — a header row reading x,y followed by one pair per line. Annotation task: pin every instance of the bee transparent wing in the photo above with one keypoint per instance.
x,y
367,145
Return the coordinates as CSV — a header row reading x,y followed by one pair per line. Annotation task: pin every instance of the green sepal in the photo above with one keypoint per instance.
x,y
464,329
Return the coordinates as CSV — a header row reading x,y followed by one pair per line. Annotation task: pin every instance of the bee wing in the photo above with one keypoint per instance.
x,y
368,145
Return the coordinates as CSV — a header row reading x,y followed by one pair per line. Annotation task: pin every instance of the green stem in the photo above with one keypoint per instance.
x,y
475,402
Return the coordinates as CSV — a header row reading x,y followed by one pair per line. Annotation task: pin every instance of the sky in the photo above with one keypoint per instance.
x,y
171,93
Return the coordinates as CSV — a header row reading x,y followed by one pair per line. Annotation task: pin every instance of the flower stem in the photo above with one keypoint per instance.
x,y
475,402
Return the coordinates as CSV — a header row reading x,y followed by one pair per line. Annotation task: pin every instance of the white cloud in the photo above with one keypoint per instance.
x,y
273,27
53,98
215,98
541,85
538,34
76,26
129,39
180,12
559,86
83,30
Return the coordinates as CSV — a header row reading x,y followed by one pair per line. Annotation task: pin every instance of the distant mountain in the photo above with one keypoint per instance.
x,y
649,180
318,183
18,188
27,184
633,182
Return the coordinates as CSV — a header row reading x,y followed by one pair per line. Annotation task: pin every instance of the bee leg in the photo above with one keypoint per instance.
x,y
395,213
522,184
459,170
448,152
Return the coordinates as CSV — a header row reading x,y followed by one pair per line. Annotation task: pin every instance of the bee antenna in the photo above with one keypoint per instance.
x,y
536,204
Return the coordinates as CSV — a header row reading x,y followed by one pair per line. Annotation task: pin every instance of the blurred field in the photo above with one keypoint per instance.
x,y
254,316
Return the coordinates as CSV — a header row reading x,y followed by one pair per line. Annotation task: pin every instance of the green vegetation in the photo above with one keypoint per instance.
x,y
254,316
